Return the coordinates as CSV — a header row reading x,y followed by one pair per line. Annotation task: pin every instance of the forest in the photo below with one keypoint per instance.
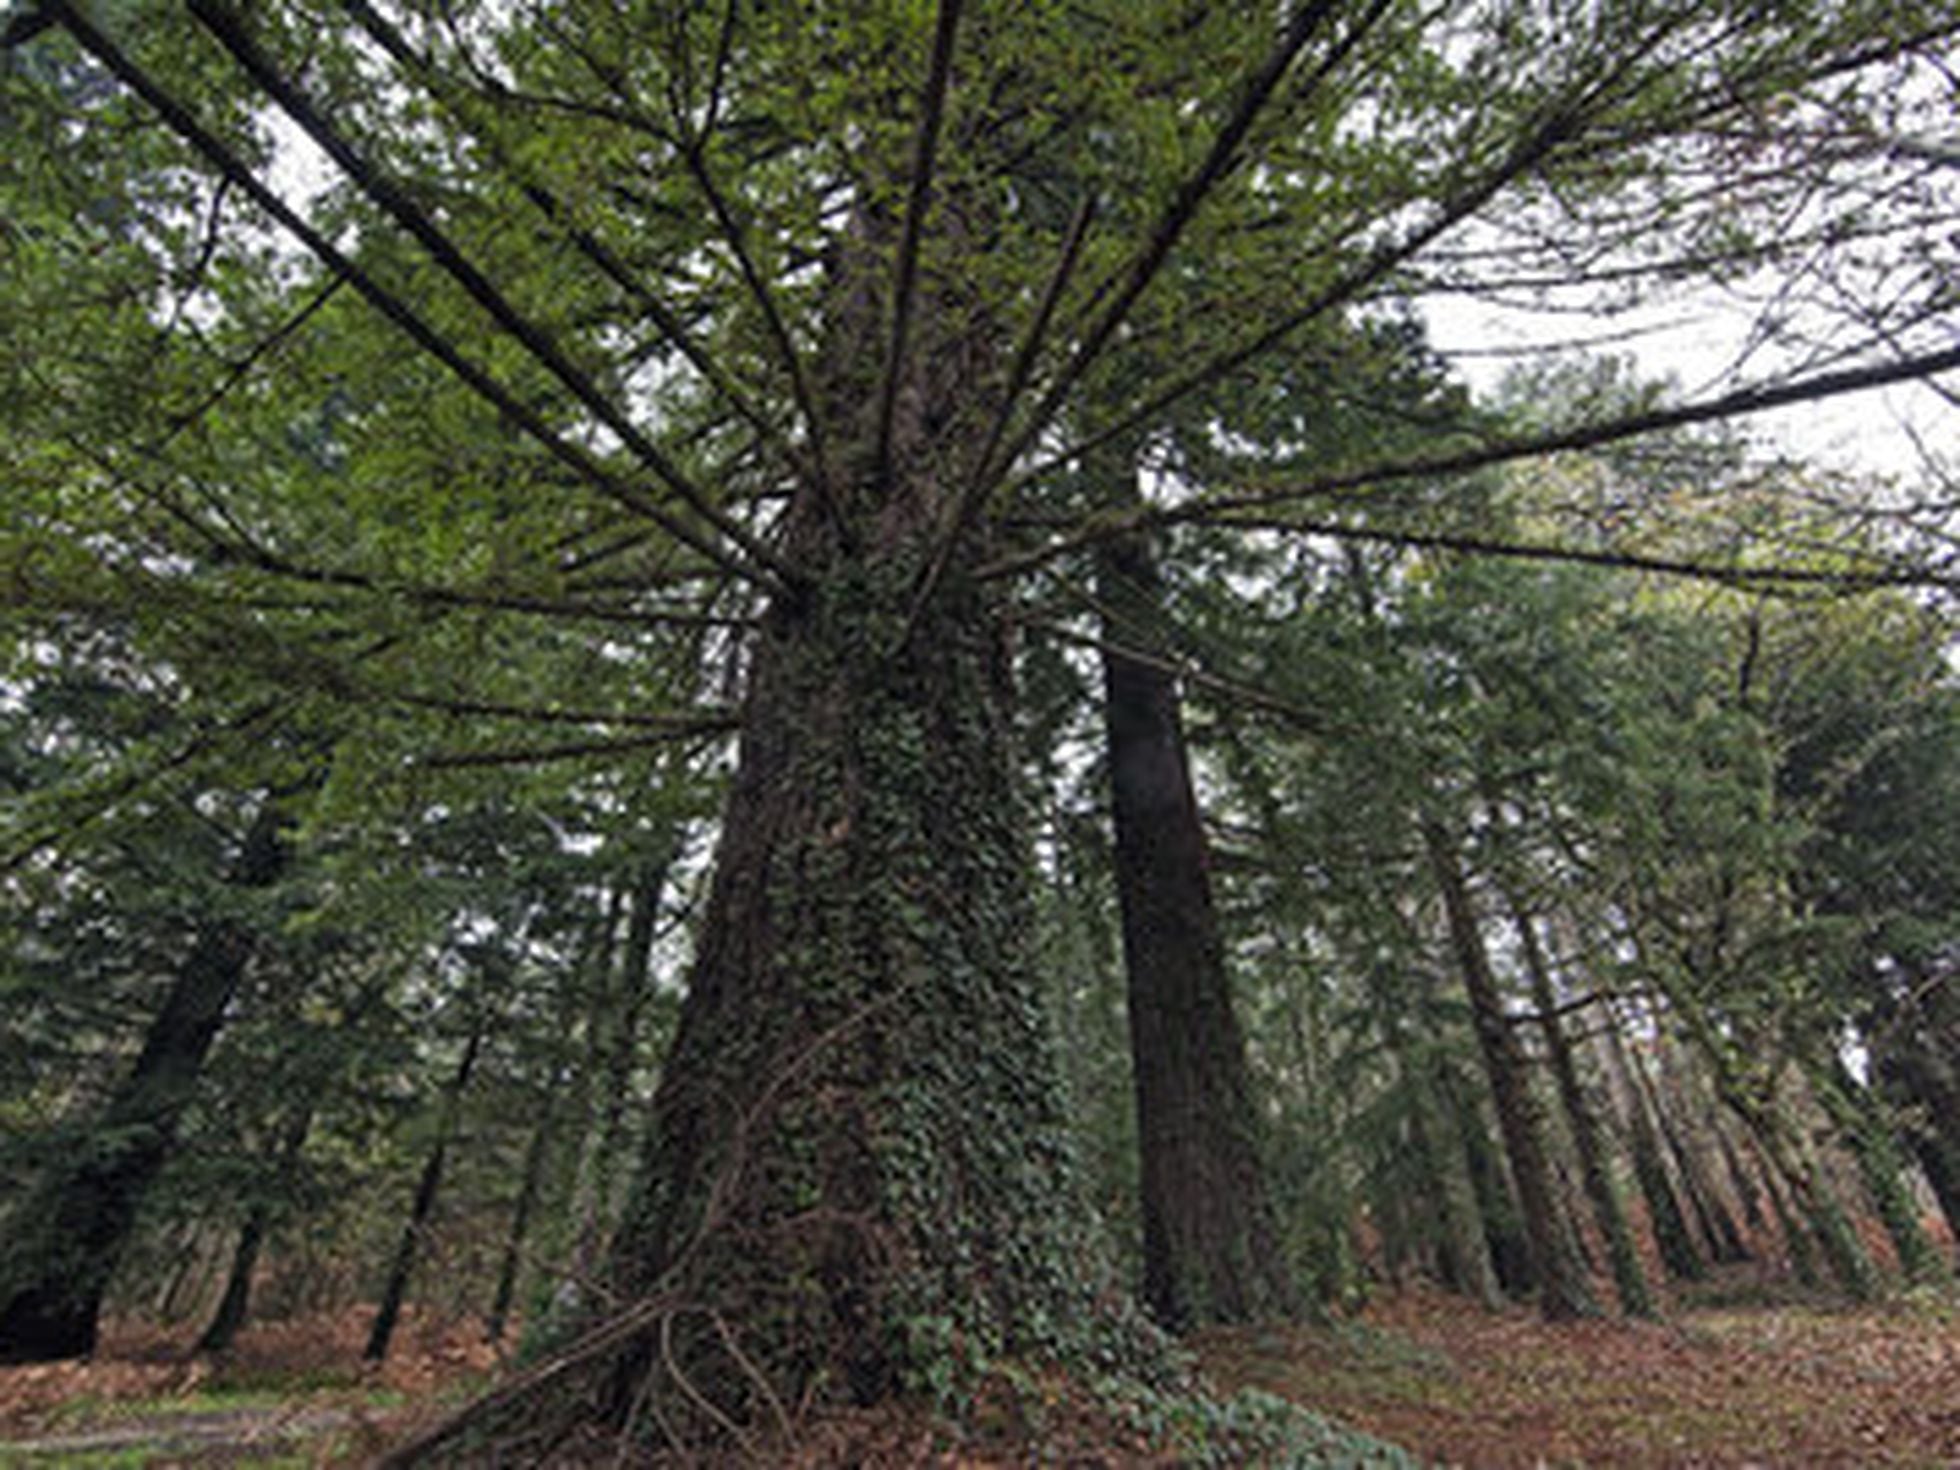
x,y
857,730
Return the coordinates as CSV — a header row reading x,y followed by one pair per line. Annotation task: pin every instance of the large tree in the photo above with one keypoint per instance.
x,y
544,356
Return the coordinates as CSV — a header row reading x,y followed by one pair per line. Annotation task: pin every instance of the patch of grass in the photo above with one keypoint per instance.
x,y
93,1410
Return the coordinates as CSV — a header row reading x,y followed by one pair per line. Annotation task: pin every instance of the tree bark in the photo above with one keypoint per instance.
x,y
1493,1196
81,1219
860,1157
1679,1110
1563,1291
1462,1246
1211,1250
1918,1068
1672,1238
530,1185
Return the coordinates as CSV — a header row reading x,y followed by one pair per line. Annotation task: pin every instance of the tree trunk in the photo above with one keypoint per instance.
x,y
860,1164
631,998
1792,1160
1881,1166
235,1303
1462,1247
531,1182
1678,1252
1491,1191
1629,1279
1740,1184
81,1219
1917,1077
1211,1250
1678,1112
427,1187
1796,1238
1563,1291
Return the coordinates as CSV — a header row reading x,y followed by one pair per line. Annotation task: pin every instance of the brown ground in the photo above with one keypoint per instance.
x,y
1758,1385
1761,1384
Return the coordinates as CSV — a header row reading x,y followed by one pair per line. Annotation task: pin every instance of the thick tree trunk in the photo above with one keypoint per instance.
x,y
1211,1250
401,1266
1563,1291
79,1222
1629,1279
860,1164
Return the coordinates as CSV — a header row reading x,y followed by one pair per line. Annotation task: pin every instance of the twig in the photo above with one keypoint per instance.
x,y
706,1405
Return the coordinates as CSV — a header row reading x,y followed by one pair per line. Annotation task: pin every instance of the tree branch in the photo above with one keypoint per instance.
x,y
228,30
1226,509
98,45
906,268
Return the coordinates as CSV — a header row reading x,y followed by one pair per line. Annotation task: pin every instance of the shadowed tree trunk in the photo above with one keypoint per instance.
x,y
632,1000
1562,1288
1918,1076
236,1302
1462,1249
79,1222
621,991
1934,1136
1211,1251
530,1184
395,1291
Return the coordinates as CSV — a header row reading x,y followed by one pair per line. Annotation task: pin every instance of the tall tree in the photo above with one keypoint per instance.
x,y
71,1233
1211,1248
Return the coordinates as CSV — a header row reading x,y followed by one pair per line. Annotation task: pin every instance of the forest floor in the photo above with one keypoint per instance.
x,y
1739,1377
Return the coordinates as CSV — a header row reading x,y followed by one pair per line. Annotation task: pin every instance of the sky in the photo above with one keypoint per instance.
x,y
1696,341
